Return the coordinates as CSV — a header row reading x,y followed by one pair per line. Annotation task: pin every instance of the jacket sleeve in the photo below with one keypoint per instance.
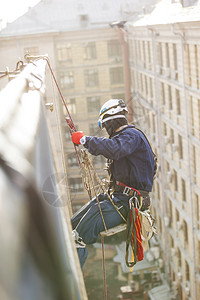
x,y
115,148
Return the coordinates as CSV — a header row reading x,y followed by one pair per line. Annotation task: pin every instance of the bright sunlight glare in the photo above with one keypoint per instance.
x,y
12,9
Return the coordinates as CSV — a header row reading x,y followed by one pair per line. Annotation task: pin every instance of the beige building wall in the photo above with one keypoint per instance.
x,y
89,70
92,70
165,70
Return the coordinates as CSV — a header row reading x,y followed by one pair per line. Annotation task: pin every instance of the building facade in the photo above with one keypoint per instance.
x,y
90,71
86,57
165,68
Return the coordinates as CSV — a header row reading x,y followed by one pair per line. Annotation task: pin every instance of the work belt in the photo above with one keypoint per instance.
x,y
141,196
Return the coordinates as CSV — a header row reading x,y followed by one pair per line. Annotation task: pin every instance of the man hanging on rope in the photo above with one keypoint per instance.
x,y
131,168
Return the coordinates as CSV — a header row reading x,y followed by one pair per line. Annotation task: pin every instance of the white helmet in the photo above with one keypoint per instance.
x,y
110,110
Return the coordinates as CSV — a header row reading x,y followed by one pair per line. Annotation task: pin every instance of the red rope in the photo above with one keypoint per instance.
x,y
140,254
63,100
65,105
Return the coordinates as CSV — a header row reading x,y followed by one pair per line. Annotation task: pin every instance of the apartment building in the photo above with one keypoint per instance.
x,y
87,60
90,71
165,70
86,57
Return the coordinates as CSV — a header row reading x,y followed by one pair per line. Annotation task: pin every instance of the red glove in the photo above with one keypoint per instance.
x,y
76,136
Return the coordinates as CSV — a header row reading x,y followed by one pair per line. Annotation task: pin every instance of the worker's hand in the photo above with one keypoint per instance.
x,y
77,137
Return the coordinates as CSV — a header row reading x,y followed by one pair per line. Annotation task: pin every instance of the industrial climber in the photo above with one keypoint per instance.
x,y
131,167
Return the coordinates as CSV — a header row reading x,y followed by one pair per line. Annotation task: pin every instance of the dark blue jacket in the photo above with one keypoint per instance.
x,y
132,156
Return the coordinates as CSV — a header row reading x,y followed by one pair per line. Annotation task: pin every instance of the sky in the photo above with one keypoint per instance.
x,y
12,9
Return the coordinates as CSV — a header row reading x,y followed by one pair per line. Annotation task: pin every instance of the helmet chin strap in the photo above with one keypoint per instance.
x,y
113,125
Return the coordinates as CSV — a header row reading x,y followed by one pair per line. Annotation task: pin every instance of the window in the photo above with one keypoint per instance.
x,y
76,185
72,160
172,136
197,212
185,232
116,75
178,102
114,48
187,271
149,55
179,258
84,20
94,129
177,215
175,57
175,181
162,87
170,97
158,191
180,146
183,186
167,54
118,96
64,52
31,51
154,124
165,129
146,85
99,160
68,134
171,241
192,116
141,82
194,165
199,115
189,78
196,65
198,258
169,210
76,207
90,51
91,77
160,54
93,104
151,87
138,52
67,80
71,105
144,54
160,225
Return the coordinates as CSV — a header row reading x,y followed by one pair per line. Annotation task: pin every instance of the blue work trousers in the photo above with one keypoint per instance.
x,y
88,222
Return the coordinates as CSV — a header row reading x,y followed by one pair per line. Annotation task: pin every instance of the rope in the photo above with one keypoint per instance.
x,y
3,75
64,103
59,133
70,122
104,268
88,165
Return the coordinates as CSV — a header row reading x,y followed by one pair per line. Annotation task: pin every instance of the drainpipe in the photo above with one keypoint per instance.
x,y
161,151
127,80
182,41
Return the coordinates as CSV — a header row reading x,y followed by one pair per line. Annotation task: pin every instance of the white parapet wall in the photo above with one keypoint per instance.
x,y
38,258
